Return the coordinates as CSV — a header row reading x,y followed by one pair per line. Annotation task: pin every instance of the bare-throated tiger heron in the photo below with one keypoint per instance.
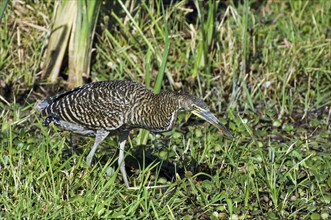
x,y
116,107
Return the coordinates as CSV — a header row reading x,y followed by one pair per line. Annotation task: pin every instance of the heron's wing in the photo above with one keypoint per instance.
x,y
93,106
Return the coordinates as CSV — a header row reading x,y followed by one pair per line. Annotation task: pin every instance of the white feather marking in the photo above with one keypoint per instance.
x,y
171,120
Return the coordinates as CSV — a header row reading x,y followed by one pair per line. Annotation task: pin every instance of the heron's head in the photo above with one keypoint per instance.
x,y
199,108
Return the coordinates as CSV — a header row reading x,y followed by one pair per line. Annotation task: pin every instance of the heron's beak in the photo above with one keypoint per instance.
x,y
208,116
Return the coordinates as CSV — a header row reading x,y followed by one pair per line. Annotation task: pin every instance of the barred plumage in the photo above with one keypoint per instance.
x,y
116,107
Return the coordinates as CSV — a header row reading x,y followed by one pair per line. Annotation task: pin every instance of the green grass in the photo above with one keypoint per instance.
x,y
264,70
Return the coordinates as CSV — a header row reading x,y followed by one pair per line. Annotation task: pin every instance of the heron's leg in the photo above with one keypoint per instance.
x,y
123,138
99,137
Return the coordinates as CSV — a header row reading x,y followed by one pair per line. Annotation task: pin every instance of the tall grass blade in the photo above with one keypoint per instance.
x,y
3,8
159,80
81,41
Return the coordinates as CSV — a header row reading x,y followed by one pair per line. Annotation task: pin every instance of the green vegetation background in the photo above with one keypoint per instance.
x,y
264,69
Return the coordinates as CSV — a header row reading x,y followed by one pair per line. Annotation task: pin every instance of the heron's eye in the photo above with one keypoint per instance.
x,y
195,107
198,108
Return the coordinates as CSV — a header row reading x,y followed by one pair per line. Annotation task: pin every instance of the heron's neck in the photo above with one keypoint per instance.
x,y
164,111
